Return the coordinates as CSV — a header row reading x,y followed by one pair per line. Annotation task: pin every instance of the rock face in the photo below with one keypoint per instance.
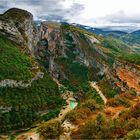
x,y
18,26
121,75
22,84
129,74
50,47
58,46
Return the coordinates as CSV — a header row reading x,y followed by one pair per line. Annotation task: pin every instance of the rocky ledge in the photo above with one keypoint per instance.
x,y
14,83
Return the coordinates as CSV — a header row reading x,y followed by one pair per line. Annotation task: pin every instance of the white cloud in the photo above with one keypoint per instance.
x,y
90,12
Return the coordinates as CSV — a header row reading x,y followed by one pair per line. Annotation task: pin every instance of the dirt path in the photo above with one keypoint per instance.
x,y
95,86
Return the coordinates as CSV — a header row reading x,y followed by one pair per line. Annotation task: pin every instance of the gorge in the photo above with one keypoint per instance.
x,y
47,75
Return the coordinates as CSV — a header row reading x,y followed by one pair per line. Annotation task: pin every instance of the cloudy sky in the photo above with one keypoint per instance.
x,y
121,14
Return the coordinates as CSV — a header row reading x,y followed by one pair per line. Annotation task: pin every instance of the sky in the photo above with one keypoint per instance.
x,y
113,14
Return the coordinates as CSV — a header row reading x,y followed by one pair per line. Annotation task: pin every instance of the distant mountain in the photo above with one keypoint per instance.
x,y
132,38
102,31
137,32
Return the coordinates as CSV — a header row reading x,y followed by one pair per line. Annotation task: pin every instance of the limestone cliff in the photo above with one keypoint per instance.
x,y
51,43
18,25
50,46
85,49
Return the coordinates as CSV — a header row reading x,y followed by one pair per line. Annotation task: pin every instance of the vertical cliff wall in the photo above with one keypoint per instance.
x,y
18,25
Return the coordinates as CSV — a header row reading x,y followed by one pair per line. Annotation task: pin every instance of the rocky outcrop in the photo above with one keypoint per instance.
x,y
4,109
22,84
18,26
129,74
51,46
86,51
58,45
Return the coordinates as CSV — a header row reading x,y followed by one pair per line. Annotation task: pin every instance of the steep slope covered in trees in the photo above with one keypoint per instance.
x,y
21,106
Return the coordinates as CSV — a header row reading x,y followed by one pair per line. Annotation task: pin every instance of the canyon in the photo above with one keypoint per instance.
x,y
64,63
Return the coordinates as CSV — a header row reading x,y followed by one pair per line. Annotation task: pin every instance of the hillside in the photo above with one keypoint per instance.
x,y
132,39
13,63
62,76
26,89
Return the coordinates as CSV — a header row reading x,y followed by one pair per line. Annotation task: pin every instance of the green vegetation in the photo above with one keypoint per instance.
x,y
131,39
97,129
82,42
26,103
110,45
132,58
133,135
76,29
13,63
107,89
76,71
119,49
116,45
51,129
52,114
90,93
42,101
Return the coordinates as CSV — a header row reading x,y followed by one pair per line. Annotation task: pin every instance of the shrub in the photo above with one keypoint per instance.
x,y
78,114
119,101
91,104
132,58
131,124
133,135
97,129
50,129
107,89
102,128
92,94
124,127
135,111
52,114
100,118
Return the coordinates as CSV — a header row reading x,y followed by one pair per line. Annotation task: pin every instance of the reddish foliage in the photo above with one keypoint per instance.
x,y
127,95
